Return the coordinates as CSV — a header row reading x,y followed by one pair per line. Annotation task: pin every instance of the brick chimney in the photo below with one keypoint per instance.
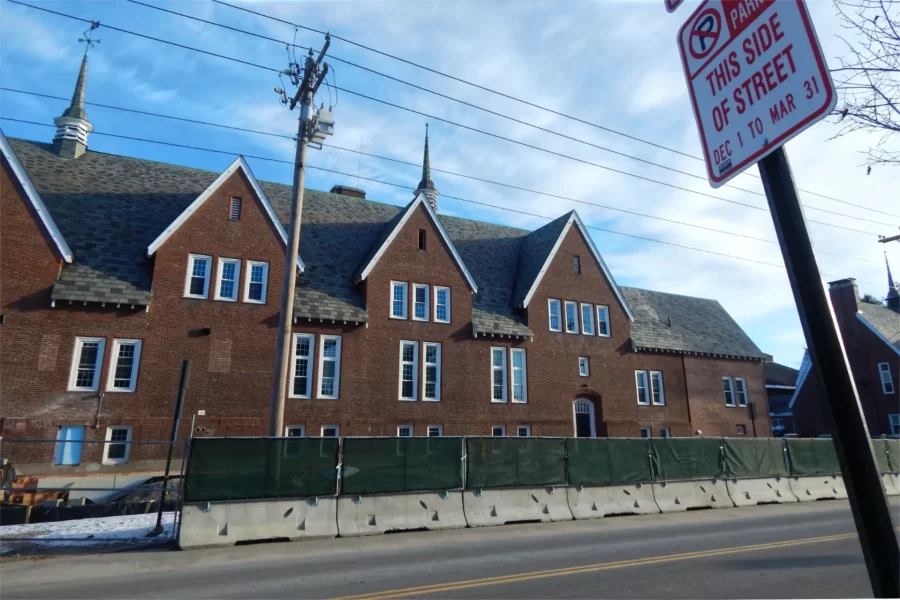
x,y
346,190
844,298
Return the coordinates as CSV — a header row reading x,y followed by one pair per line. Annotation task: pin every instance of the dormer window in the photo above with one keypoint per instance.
x,y
235,209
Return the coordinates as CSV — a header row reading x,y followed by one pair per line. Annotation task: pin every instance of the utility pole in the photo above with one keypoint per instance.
x,y
311,128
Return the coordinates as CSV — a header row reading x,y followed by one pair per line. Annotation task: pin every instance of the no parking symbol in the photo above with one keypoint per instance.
x,y
705,33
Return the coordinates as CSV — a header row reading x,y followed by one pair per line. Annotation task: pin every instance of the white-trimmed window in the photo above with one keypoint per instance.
x,y
431,371
330,431
227,279
887,382
295,431
664,432
656,388
235,212
196,283
117,447
404,430
571,317
498,375
435,430
441,304
257,281
301,359
498,430
290,449
523,430
603,321
587,319
409,366
398,299
740,387
740,429
126,356
645,432
584,366
554,309
728,388
895,424
420,302
86,363
329,366
519,375
642,385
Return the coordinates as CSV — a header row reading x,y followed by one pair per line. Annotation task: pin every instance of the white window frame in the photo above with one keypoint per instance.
x,y
649,432
665,432
741,394
551,302
414,363
235,202
416,287
584,324
425,364
76,360
584,366
520,428
114,363
894,422
502,429
309,365
729,393
337,367
662,389
237,279
604,311
642,375
574,306
249,276
885,369
440,431
107,446
192,258
405,286
512,376
503,369
337,431
410,427
441,288
289,428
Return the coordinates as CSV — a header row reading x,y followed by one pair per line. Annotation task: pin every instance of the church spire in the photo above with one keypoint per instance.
x,y
426,186
72,127
893,296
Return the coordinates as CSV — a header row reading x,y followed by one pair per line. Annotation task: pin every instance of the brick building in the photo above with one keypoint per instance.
x,y
407,322
781,382
871,335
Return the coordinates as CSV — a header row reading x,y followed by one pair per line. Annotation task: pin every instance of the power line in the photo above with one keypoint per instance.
x,y
494,135
485,204
453,173
526,102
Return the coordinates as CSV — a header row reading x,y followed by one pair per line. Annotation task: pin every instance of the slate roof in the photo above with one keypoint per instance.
x,y
884,320
110,208
671,322
778,374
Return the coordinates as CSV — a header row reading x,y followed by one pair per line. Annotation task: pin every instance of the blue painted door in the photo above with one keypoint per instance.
x,y
68,447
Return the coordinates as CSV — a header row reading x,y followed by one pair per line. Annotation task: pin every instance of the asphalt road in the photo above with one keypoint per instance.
x,y
805,550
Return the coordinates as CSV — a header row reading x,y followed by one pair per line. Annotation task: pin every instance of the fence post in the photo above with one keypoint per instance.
x,y
179,404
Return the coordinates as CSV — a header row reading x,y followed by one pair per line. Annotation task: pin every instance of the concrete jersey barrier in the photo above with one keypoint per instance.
x,y
212,524
818,487
679,496
768,490
498,507
371,515
891,482
595,502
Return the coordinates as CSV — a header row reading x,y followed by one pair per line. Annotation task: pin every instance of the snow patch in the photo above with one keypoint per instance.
x,y
105,530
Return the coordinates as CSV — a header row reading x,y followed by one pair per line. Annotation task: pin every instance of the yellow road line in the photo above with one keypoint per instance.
x,y
520,577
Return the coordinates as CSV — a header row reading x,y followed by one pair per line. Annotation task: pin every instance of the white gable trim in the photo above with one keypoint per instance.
x,y
577,221
239,163
420,200
35,199
880,335
805,366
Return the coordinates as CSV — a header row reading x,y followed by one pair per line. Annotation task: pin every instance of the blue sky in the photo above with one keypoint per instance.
x,y
611,63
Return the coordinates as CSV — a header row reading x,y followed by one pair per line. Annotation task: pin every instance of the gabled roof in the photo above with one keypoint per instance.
x,y
674,323
805,367
540,251
35,199
883,322
393,227
241,164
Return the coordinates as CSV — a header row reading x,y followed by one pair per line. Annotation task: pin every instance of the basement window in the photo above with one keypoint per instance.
x,y
117,447
235,209
741,429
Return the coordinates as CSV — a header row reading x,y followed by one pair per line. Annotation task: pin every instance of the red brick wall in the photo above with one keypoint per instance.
x,y
709,412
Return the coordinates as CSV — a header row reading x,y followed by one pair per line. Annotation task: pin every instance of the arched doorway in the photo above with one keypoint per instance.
x,y
585,423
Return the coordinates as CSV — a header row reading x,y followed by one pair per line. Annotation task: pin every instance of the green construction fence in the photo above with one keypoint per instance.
x,y
391,465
